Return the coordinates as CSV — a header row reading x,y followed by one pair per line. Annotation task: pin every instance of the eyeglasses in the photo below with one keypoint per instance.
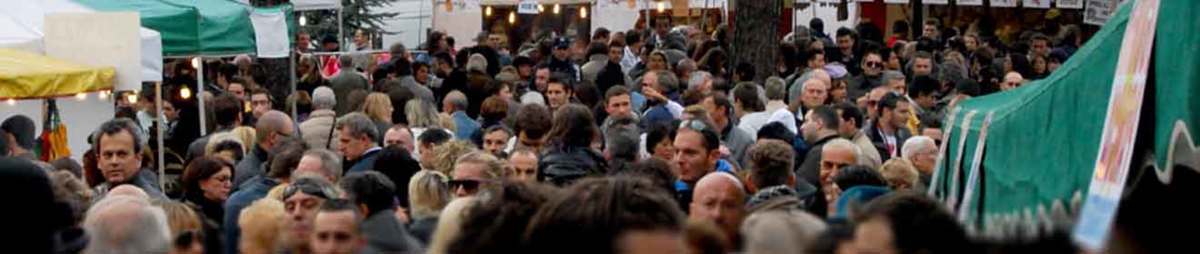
x,y
186,238
874,64
310,188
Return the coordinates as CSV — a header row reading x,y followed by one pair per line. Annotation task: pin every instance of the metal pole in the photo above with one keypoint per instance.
x,y
200,94
341,32
158,104
292,77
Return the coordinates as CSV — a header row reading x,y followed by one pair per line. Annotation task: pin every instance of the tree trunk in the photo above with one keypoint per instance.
x,y
756,37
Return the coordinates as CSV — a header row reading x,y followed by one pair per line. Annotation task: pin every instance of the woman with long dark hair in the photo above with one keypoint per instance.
x,y
569,156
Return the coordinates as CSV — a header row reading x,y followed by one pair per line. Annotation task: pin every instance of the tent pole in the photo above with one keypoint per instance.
x,y
292,80
158,104
341,32
200,93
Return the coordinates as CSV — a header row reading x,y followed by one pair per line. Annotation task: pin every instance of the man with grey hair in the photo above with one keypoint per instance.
x,y
685,68
347,80
269,130
785,231
318,129
836,154
456,105
321,162
896,81
125,224
700,80
922,151
621,141
794,91
356,142
118,156
655,85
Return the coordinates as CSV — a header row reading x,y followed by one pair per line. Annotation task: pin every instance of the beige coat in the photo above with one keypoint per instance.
x,y
317,128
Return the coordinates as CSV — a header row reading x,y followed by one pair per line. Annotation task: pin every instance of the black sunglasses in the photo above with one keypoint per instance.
x,y
875,64
186,238
466,184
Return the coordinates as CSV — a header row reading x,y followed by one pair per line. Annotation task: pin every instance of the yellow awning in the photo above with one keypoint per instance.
x,y
25,75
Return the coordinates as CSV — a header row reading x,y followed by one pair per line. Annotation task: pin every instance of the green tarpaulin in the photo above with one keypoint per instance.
x,y
195,27
1041,144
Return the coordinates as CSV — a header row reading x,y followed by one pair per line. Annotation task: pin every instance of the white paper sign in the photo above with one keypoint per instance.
x,y
1004,3
937,2
98,39
1069,4
1040,4
969,2
527,7
1098,11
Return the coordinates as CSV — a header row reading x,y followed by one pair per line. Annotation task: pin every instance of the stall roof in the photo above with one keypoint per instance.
x,y
25,75
191,27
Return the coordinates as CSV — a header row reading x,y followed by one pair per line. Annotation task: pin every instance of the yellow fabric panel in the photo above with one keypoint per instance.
x,y
26,75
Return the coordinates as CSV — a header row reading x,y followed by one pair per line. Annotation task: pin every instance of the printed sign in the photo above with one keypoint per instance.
x,y
1004,3
969,2
1098,11
527,7
1040,4
1070,4
1120,128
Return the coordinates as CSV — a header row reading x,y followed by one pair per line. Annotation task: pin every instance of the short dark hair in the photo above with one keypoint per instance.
x,y
199,169
343,205
597,48
923,54
859,175
596,211
534,120
747,94
369,188
1040,37
816,24
845,31
561,79
633,36
435,136
827,116
22,128
850,112
657,133
444,57
919,223
284,157
499,222
745,71
776,131
498,127
889,102
923,85
398,165
811,54
523,61
771,163
114,126
227,109
615,91
712,139
658,171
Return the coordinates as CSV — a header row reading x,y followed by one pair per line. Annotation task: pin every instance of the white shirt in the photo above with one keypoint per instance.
x,y
629,61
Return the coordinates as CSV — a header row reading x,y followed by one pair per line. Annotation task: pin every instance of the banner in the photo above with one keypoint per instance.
x,y
1098,11
1120,128
1004,3
969,2
1069,4
1040,4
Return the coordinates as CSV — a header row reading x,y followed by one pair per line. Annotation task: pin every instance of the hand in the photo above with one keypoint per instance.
x,y
653,94
402,215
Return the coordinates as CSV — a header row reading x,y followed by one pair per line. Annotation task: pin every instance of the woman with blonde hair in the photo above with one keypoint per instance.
x,y
900,174
428,194
379,107
226,145
449,225
185,226
247,135
446,154
261,224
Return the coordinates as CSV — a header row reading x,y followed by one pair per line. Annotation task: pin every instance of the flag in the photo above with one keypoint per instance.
x,y
53,141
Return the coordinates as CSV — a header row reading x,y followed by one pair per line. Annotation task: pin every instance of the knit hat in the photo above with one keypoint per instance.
x,y
477,63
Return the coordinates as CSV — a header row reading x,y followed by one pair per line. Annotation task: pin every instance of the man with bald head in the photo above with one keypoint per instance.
x,y
270,129
720,197
835,155
1012,80
126,224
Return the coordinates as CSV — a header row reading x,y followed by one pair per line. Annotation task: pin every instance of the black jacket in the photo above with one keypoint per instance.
x,y
385,234
562,165
872,132
810,169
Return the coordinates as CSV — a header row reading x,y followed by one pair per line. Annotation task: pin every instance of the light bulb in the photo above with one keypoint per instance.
x,y
512,17
196,62
185,93
556,8
487,11
662,6
583,12
131,98
12,101
541,8
81,96
303,21
104,95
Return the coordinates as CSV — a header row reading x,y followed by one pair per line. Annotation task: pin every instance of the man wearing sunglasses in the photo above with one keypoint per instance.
x,y
872,68
301,200
474,171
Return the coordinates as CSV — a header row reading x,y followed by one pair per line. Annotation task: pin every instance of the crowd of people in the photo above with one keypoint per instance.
x,y
639,141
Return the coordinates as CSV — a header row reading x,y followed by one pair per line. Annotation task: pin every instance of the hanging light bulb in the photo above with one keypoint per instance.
x,y
131,97
487,11
662,6
196,62
185,93
512,17
583,12
303,21
556,8
541,8
81,96
12,102
104,95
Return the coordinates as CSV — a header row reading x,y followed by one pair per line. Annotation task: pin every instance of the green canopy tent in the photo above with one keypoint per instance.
x,y
191,28
1018,163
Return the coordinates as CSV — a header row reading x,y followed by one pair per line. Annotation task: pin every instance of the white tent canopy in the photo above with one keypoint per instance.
x,y
22,23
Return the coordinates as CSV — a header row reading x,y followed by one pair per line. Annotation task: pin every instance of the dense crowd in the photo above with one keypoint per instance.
x,y
641,141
